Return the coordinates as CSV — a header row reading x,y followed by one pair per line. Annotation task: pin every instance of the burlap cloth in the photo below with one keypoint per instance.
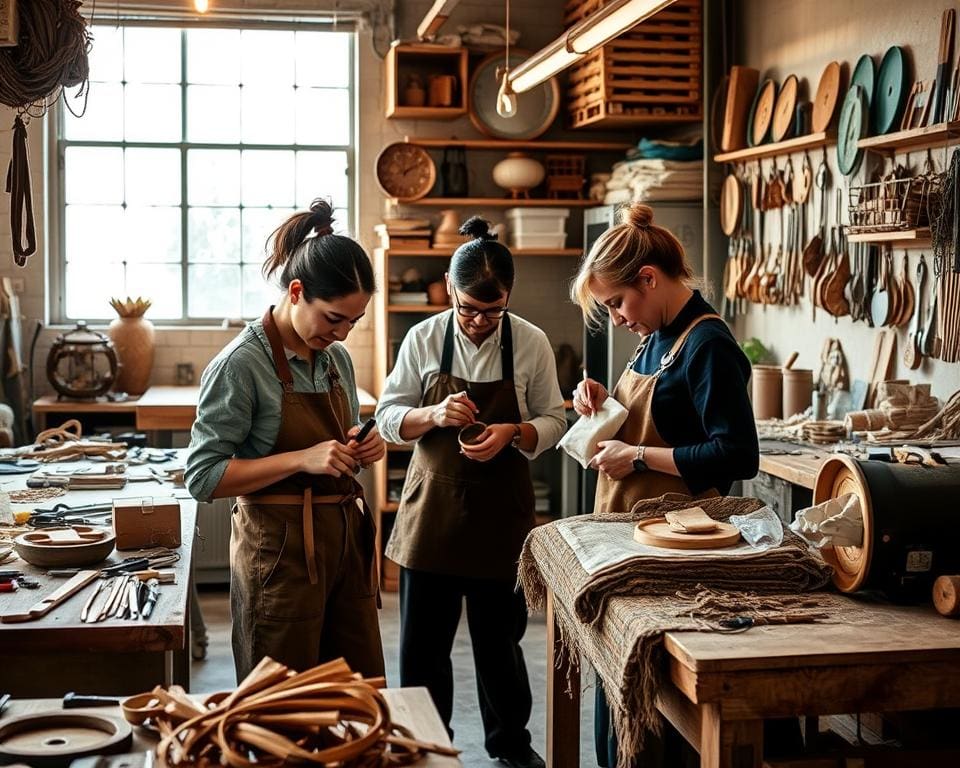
x,y
617,617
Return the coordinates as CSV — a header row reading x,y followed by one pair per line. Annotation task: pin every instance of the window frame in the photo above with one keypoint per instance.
x,y
55,146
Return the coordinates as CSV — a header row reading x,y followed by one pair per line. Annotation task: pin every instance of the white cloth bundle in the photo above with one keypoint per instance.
x,y
834,523
581,439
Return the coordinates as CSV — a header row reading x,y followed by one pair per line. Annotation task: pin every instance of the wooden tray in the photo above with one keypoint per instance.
x,y
54,739
656,532
49,547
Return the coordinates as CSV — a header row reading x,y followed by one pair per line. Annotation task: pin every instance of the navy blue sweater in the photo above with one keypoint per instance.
x,y
700,403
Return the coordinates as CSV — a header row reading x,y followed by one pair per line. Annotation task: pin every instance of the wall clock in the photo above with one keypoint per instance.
x,y
405,171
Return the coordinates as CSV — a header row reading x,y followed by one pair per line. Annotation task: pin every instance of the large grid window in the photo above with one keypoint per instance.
x,y
195,145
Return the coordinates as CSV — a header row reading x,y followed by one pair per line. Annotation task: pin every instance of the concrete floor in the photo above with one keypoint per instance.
x,y
215,673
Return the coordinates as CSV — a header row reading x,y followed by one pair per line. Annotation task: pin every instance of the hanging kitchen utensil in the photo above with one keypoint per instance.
x,y
803,181
865,75
828,93
761,113
788,180
834,296
813,251
853,127
730,201
890,92
912,354
880,301
773,190
907,294
783,112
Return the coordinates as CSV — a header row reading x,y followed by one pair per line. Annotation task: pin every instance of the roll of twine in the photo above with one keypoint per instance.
x,y
51,54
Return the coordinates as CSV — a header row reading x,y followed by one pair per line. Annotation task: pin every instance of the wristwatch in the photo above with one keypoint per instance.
x,y
517,434
639,465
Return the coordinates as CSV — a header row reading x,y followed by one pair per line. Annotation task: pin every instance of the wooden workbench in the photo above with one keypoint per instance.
x,y
59,653
799,470
724,685
410,707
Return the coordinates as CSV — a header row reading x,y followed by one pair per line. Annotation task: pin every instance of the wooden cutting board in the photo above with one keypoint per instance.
x,y
657,532
784,110
828,92
741,90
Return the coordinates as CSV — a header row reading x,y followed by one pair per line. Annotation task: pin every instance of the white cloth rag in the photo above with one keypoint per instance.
x,y
834,523
581,439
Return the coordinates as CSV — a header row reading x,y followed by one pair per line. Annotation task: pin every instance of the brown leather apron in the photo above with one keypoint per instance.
x,y
635,392
304,584
458,516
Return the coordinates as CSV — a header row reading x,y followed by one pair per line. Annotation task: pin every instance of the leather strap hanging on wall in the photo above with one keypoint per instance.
x,y
22,223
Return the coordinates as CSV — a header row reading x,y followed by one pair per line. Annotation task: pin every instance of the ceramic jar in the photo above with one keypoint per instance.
x,y
518,173
414,94
133,339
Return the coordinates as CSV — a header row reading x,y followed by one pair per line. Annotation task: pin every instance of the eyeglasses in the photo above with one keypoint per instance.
x,y
494,313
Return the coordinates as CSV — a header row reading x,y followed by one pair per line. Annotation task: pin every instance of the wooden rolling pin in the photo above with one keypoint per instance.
x,y
946,595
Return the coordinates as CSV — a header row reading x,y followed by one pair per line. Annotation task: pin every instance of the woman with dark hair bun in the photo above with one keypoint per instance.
x,y
467,505
275,426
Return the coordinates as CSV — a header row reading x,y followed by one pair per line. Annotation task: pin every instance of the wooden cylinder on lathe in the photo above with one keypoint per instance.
x,y
946,595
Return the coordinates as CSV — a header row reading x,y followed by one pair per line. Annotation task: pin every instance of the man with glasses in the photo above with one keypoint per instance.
x,y
467,505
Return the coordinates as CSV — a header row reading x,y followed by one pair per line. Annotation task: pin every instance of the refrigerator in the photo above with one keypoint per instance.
x,y
607,352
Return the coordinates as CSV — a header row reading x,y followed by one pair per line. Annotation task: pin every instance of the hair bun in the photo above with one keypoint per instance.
x,y
639,215
321,217
477,228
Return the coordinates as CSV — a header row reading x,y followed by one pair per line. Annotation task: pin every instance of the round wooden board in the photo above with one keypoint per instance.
x,y
656,532
825,103
730,202
58,738
762,113
784,109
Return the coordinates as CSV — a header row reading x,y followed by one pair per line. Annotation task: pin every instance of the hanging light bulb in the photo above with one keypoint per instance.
x,y
506,98
201,5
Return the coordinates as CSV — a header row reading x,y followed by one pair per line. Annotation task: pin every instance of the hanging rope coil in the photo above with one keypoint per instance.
x,y
50,55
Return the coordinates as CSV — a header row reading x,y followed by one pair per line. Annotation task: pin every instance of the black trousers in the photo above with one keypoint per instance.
x,y
430,606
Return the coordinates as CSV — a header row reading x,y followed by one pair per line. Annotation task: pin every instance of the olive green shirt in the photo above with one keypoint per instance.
x,y
238,415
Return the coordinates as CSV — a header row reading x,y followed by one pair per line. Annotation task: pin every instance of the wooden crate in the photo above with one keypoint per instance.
x,y
651,73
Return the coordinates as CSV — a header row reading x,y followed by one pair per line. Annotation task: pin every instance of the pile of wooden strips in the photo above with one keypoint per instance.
x,y
326,715
65,443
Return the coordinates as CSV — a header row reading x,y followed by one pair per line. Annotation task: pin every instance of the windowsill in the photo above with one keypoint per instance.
x,y
102,326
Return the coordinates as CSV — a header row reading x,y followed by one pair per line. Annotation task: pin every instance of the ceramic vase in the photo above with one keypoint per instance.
x,y
518,173
134,341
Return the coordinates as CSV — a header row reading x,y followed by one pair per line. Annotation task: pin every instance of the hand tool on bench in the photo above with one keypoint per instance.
x,y
51,601
74,700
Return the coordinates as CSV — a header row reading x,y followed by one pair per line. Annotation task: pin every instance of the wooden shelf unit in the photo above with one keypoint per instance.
x,y
507,145
798,144
905,238
447,252
423,60
498,202
913,140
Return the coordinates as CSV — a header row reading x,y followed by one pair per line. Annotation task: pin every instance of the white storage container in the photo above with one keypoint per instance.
x,y
537,227
519,242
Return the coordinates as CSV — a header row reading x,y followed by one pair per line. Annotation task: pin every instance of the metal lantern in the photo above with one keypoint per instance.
x,y
82,363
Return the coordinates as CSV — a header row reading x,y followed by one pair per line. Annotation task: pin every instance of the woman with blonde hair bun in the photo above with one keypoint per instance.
x,y
689,428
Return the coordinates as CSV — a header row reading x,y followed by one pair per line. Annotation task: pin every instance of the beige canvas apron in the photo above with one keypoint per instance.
x,y
304,584
635,392
458,516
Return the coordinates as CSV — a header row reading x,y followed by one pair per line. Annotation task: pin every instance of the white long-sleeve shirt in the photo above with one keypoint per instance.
x,y
534,375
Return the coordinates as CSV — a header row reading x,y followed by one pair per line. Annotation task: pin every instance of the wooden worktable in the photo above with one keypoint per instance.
x,y
410,707
799,470
58,652
874,658
159,409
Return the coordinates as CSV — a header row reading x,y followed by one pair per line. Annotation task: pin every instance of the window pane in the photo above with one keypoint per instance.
x,y
268,178
94,234
93,174
152,176
213,177
152,234
321,174
90,290
323,58
257,293
214,234
267,57
265,116
341,222
323,116
161,284
213,56
258,224
106,54
213,113
103,119
152,112
152,55
214,290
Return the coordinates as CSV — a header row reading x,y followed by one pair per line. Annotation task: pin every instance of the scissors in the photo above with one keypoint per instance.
x,y
63,514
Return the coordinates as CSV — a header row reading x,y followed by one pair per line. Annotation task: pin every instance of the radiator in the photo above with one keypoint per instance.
x,y
212,549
